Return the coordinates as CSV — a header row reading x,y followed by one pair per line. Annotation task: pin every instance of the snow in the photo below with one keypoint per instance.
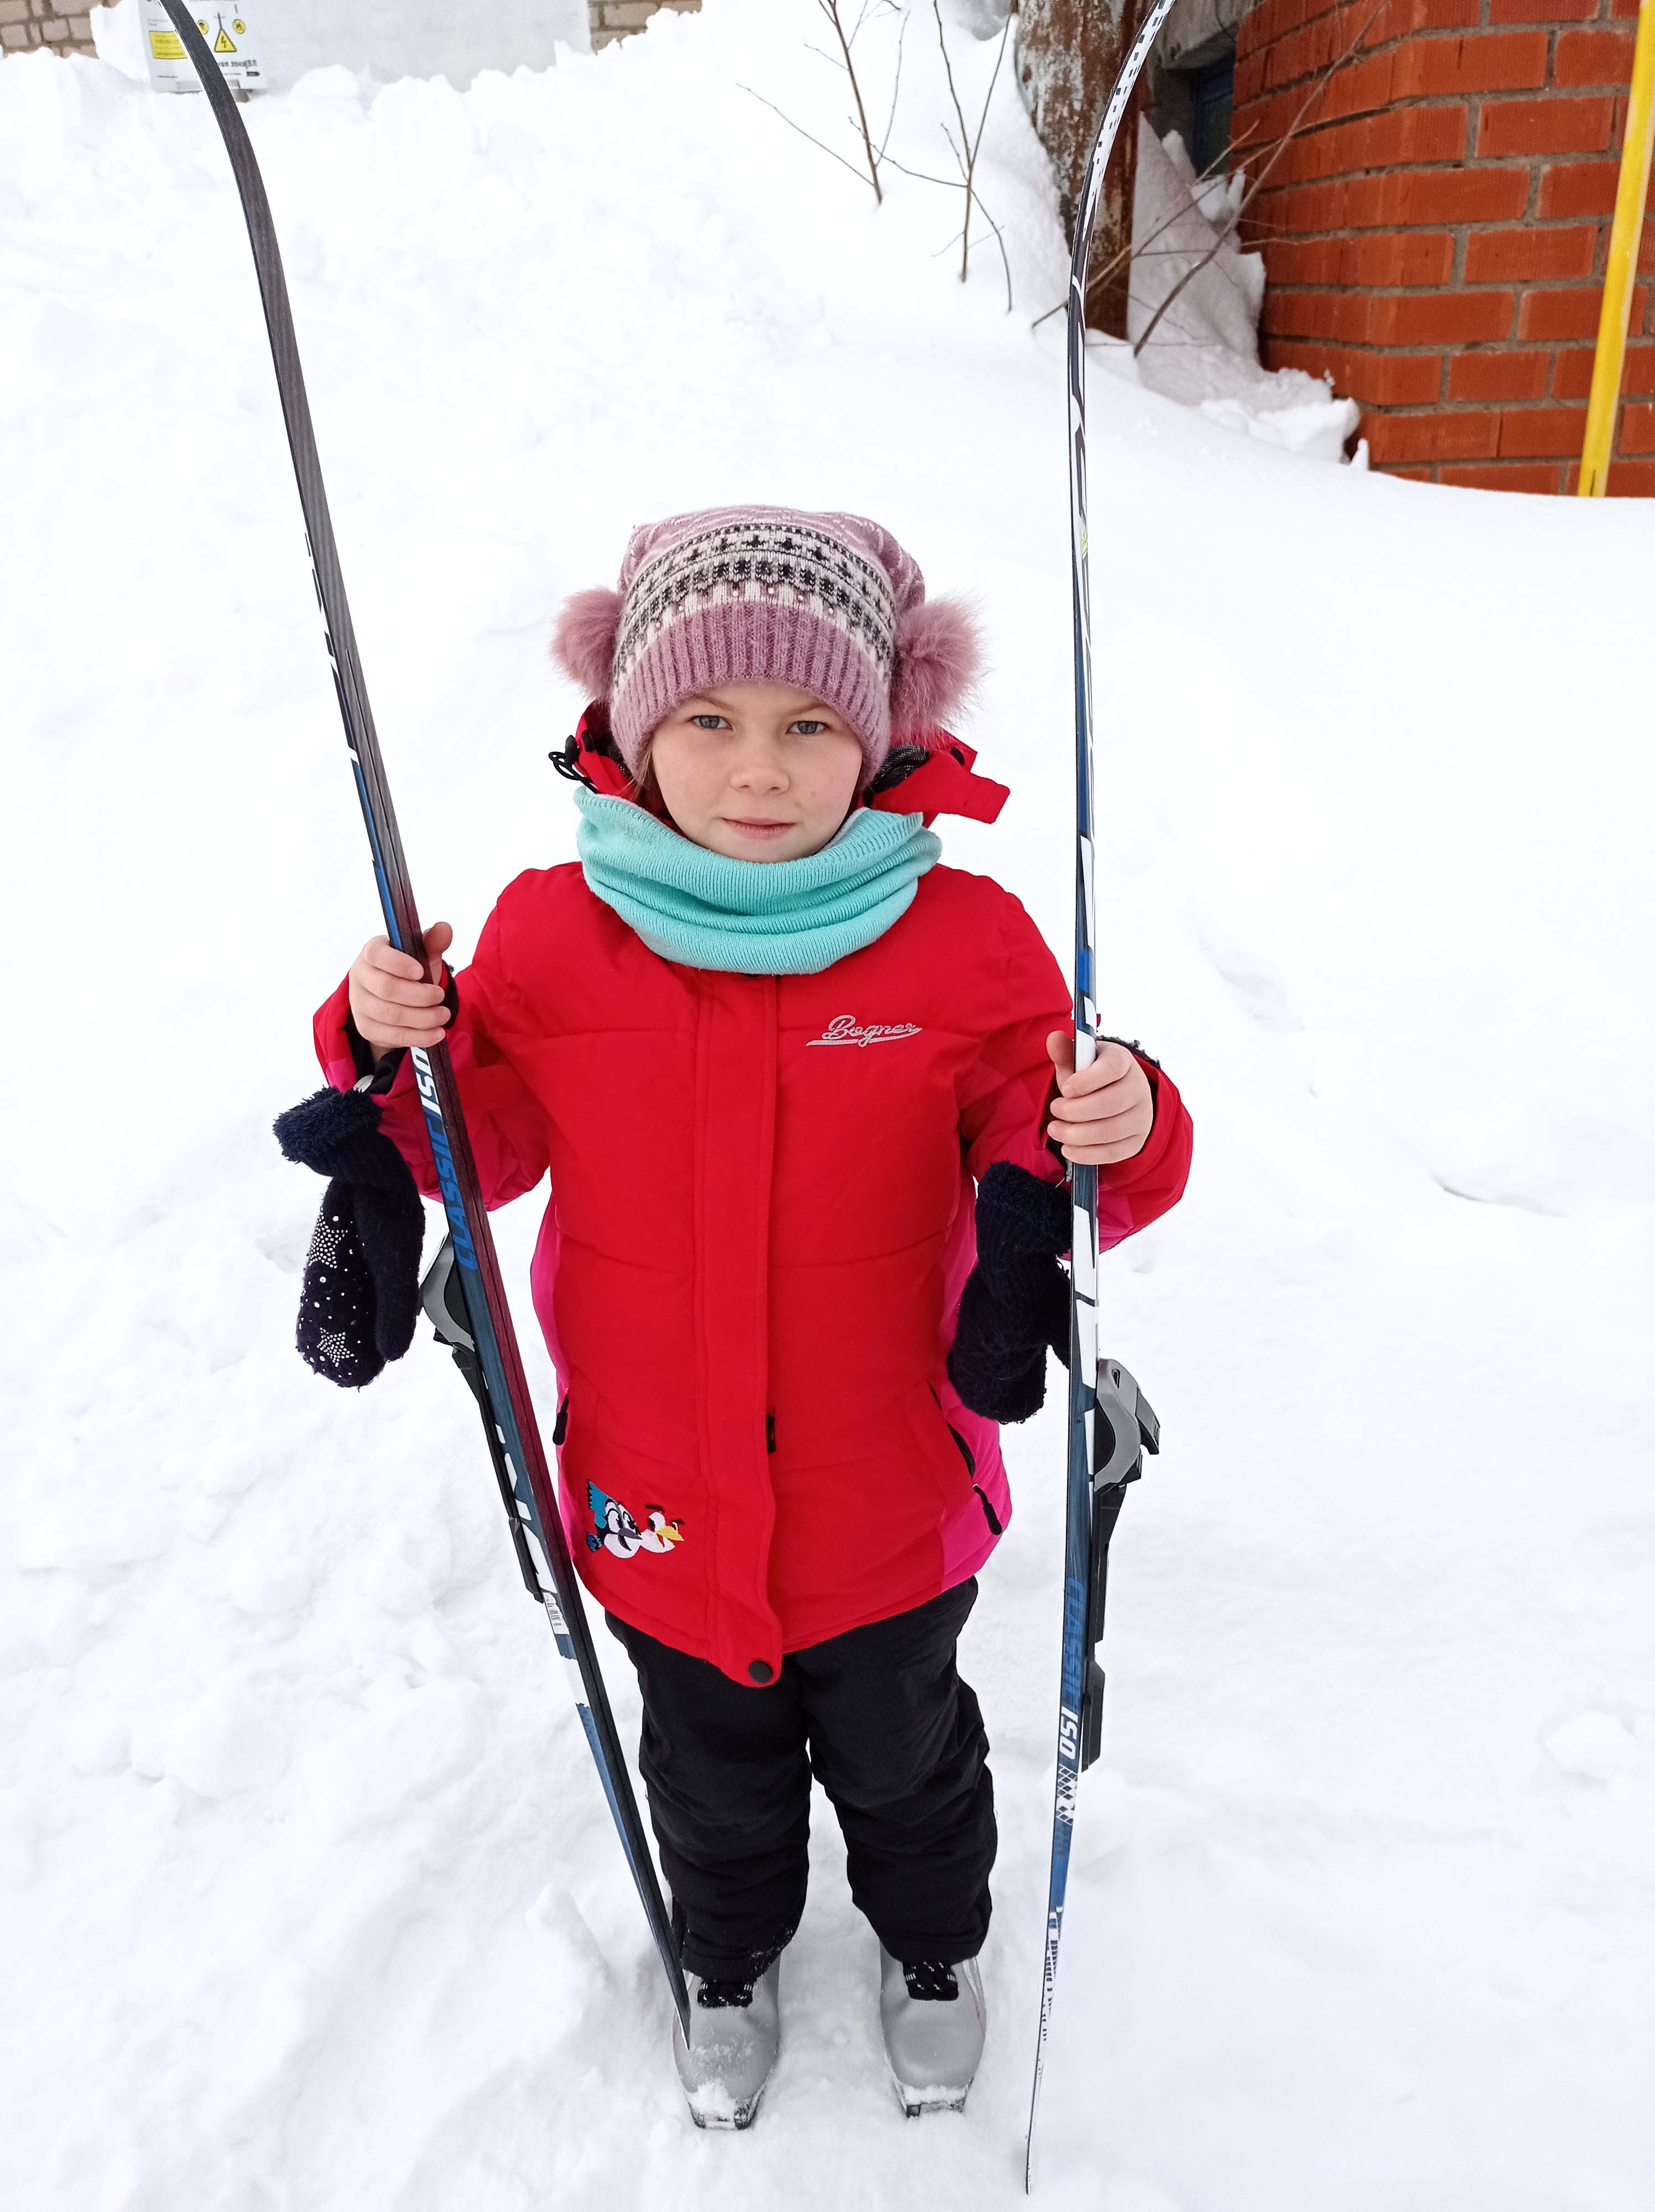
x,y
314,1901
1192,314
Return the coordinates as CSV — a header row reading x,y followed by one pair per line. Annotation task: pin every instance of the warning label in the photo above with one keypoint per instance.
x,y
230,39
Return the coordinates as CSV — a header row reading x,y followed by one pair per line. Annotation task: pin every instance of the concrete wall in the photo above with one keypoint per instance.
x,y
386,38
454,38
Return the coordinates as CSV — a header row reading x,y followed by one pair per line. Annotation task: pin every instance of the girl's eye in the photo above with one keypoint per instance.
x,y
810,729
708,721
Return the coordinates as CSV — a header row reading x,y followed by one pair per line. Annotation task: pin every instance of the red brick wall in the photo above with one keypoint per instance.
x,y
1434,235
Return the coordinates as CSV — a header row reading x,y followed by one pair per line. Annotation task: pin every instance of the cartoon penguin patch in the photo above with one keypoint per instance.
x,y
617,1532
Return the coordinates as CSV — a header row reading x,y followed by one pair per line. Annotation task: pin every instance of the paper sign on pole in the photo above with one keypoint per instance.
x,y
229,35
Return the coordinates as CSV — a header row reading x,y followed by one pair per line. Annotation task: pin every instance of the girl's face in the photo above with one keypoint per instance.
x,y
757,771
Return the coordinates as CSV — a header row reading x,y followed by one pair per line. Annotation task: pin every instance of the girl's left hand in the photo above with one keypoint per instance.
x,y
1104,1114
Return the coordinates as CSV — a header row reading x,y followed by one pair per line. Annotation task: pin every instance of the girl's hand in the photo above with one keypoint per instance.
x,y
393,1000
1103,1114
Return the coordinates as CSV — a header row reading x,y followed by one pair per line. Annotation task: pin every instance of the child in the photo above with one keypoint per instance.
x,y
767,1045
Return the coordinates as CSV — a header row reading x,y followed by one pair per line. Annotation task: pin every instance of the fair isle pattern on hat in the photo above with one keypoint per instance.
x,y
787,561
753,594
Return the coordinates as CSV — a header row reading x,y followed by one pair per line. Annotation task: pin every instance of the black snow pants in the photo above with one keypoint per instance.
x,y
882,1719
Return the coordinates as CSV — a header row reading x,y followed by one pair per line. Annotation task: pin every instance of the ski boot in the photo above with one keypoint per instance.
x,y
934,2018
735,2031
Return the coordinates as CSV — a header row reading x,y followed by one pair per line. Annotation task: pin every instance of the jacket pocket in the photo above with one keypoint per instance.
x,y
996,1528
939,1448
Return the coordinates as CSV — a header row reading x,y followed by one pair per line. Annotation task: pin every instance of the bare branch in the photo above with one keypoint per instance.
x,y
1189,276
1205,176
889,7
803,133
999,241
964,139
831,9
1130,253
896,87
948,70
965,153
924,177
1127,252
993,225
989,95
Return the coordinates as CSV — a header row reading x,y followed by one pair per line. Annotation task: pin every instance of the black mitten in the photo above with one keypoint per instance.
x,y
359,1298
1016,1300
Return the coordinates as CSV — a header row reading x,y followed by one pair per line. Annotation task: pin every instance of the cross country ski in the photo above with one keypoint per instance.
x,y
508,1414
1109,1425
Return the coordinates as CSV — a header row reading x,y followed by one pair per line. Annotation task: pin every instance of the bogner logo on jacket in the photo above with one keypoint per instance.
x,y
844,1029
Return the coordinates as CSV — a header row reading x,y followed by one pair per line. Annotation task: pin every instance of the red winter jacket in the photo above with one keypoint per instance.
x,y
749,1308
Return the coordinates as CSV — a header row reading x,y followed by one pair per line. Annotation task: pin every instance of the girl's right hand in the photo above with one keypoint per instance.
x,y
393,1000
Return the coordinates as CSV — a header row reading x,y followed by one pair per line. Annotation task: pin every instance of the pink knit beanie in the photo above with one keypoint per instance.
x,y
830,603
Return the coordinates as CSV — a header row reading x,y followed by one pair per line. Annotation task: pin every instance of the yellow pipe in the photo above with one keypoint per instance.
x,y
1633,190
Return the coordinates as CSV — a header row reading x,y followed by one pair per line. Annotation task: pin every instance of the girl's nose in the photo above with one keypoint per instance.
x,y
758,770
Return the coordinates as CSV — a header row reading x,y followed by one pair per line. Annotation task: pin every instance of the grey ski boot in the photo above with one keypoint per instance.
x,y
735,2031
934,2020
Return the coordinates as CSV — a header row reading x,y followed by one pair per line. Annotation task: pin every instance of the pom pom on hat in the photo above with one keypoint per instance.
x,y
583,639
939,653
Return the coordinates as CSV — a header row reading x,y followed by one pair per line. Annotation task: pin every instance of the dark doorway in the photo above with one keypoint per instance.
x,y
1211,94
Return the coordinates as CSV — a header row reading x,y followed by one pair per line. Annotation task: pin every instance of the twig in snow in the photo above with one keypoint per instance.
x,y
1204,176
803,133
831,9
965,153
843,60
953,184
896,86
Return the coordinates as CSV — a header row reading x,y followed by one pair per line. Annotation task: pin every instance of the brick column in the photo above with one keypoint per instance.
x,y
1435,237
618,19
25,23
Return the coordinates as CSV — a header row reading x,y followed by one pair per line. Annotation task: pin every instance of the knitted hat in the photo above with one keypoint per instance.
x,y
830,603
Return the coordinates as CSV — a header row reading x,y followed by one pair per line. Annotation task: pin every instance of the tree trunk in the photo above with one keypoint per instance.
x,y
1068,53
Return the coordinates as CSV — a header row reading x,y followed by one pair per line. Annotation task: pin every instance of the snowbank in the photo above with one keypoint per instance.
x,y
312,1900
1192,314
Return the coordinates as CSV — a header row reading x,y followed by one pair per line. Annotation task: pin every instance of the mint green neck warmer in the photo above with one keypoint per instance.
x,y
752,917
